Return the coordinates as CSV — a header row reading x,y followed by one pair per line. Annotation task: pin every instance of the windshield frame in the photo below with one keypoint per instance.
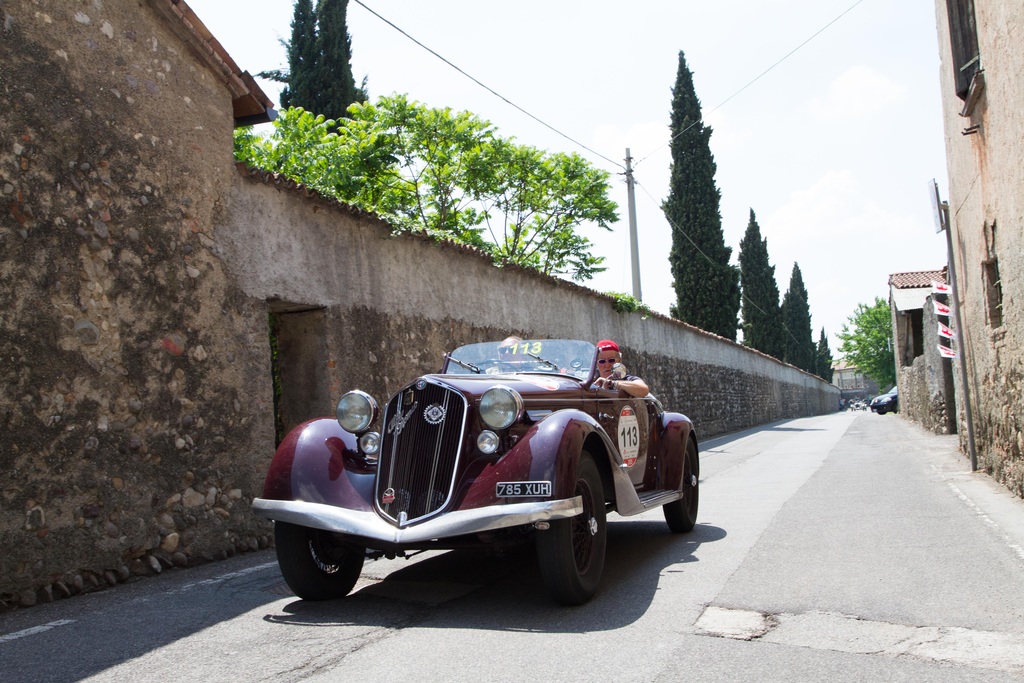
x,y
564,357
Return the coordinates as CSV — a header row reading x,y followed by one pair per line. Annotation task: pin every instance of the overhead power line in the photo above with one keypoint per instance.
x,y
714,263
488,88
754,80
570,138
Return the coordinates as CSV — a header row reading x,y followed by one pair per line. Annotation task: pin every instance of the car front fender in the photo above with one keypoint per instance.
x,y
319,462
548,452
676,428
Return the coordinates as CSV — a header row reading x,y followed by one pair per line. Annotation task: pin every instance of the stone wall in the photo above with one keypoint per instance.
x,y
138,271
984,148
394,305
926,386
126,412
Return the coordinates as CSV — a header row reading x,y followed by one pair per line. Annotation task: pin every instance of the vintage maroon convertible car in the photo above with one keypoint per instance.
x,y
499,447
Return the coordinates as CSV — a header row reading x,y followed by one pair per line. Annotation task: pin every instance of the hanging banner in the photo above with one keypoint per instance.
x,y
941,288
941,309
944,331
946,352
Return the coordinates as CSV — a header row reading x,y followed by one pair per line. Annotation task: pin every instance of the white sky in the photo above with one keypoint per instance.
x,y
833,148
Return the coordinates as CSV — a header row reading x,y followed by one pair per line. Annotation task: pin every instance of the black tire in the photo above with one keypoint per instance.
x,y
571,552
317,565
681,515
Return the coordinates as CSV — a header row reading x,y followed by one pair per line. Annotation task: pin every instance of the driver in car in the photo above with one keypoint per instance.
x,y
613,372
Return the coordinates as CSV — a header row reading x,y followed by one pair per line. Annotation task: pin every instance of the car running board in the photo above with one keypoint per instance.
x,y
636,503
653,499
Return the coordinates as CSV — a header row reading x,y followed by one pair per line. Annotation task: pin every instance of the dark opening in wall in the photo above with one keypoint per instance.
x,y
298,364
993,292
917,333
909,336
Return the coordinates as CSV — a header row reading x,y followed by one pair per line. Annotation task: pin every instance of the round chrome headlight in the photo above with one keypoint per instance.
x,y
369,444
500,407
356,411
488,442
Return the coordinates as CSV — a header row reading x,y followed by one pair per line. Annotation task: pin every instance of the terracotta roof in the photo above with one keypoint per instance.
x,y
921,278
251,105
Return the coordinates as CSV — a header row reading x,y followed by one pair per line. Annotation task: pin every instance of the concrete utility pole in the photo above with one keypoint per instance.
x,y
634,249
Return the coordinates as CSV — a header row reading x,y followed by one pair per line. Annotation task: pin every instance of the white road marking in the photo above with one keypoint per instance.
x,y
35,630
987,520
224,577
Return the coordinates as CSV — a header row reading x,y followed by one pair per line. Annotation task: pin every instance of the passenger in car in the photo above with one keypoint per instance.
x,y
616,379
509,348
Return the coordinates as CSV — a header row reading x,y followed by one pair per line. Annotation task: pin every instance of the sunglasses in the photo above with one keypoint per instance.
x,y
505,350
602,361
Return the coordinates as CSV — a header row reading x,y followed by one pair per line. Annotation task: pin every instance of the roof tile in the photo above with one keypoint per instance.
x,y
921,278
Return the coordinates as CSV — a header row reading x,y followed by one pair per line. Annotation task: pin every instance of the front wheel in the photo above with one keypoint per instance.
x,y
571,552
316,564
681,515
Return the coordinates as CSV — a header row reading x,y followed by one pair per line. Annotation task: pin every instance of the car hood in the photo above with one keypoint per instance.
x,y
524,383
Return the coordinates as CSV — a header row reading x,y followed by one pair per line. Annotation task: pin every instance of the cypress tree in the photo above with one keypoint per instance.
x,y
762,316
302,57
796,314
320,60
823,358
707,286
333,72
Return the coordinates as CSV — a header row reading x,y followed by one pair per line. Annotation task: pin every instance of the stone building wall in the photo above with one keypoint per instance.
x,y
141,270
984,148
125,412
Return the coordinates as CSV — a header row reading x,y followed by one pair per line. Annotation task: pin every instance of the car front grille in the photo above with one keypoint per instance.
x,y
420,448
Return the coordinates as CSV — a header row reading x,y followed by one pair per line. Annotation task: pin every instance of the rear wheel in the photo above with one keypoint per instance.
x,y
681,515
571,552
316,564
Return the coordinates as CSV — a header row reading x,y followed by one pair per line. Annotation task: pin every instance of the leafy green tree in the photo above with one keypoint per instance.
x,y
440,165
796,315
866,342
447,175
762,316
308,149
319,77
823,358
536,203
707,286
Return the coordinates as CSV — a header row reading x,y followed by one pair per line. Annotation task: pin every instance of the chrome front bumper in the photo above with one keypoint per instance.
x,y
445,525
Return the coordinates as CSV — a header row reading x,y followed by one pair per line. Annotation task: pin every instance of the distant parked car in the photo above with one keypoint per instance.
x,y
889,402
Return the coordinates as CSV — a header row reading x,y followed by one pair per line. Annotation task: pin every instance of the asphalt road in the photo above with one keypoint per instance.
x,y
849,547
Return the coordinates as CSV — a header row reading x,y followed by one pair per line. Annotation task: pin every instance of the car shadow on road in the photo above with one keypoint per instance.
x,y
487,591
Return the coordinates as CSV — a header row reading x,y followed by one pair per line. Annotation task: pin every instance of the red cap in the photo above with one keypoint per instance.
x,y
607,345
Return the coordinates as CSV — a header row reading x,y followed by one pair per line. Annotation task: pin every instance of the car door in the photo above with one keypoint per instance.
x,y
628,423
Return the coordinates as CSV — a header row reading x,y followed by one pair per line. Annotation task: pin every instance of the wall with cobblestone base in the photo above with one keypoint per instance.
x,y
138,269
126,412
984,148
396,304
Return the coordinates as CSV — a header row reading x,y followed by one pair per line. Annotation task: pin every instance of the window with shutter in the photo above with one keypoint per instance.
x,y
963,36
